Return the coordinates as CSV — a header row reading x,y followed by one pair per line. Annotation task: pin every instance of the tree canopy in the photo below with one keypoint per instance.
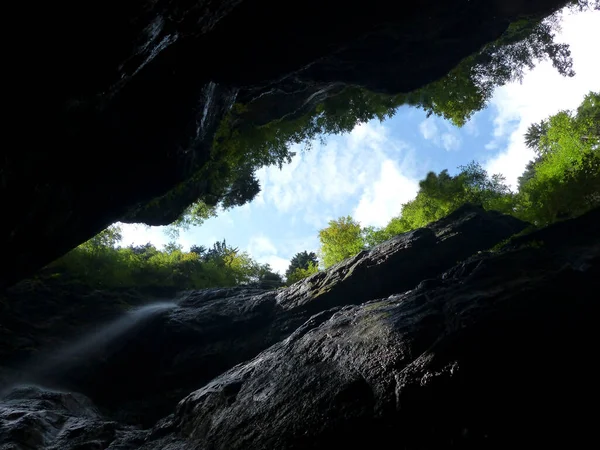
x,y
302,265
439,195
342,239
241,146
101,262
564,178
562,181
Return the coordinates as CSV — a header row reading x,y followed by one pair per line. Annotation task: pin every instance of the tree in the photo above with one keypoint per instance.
x,y
534,134
241,146
342,239
172,247
195,214
440,194
268,279
374,236
299,273
564,178
109,237
145,250
99,262
220,253
528,173
301,260
468,87
199,250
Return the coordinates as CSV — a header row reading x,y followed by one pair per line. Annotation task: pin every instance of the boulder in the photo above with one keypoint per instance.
x,y
32,417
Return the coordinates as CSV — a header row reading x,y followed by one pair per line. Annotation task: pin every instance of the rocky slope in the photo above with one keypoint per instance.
x,y
210,331
496,351
114,105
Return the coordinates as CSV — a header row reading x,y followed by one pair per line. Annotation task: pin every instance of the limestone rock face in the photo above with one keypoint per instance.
x,y
32,417
114,105
496,351
142,365
493,350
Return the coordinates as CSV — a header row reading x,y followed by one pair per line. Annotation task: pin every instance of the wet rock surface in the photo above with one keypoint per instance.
x,y
39,418
139,368
494,352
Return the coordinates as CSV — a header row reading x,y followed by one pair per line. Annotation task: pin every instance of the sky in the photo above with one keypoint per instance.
x,y
370,172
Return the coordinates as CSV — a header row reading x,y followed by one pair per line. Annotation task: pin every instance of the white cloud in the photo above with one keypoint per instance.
x,y
544,92
264,251
428,129
492,145
450,142
316,185
365,167
383,199
261,245
140,234
296,244
277,263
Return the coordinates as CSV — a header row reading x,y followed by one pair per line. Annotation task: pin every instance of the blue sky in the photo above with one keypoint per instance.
x,y
371,171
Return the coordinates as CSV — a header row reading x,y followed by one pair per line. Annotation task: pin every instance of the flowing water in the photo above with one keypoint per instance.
x,y
86,347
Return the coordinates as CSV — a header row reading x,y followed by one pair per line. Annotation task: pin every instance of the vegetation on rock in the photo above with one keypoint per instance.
x,y
563,181
302,265
101,262
241,146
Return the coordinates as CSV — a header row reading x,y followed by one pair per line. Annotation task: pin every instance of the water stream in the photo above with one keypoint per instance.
x,y
84,348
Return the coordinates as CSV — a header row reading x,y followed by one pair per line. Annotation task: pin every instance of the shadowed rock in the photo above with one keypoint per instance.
x,y
112,111
497,354
141,374
493,352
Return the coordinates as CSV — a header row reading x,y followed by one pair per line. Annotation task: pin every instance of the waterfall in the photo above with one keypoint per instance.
x,y
86,347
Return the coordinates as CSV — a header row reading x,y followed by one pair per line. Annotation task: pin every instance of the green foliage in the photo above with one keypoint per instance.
x,y
342,239
374,236
195,215
99,262
106,238
534,134
301,260
244,143
468,87
440,194
241,147
564,179
300,273
268,279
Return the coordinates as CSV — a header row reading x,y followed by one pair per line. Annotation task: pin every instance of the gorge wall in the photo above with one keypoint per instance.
x,y
115,105
483,351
